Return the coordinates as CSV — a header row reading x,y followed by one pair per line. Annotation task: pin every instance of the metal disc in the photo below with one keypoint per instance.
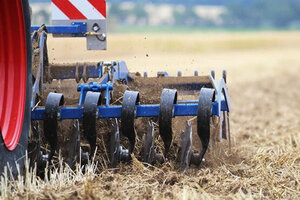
x,y
90,115
73,145
166,113
186,140
114,150
204,117
53,102
149,153
130,100
226,127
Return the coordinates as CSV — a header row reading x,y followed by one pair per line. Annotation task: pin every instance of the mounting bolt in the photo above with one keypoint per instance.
x,y
124,154
58,115
45,157
96,27
102,37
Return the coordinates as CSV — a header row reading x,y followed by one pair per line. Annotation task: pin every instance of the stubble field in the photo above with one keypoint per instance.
x,y
263,77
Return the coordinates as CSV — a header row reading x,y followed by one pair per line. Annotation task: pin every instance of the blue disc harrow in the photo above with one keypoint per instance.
x,y
96,84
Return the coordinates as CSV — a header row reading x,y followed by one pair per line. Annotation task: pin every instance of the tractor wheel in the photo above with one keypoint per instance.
x,y
15,83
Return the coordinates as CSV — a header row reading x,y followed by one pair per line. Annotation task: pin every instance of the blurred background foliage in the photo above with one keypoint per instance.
x,y
161,15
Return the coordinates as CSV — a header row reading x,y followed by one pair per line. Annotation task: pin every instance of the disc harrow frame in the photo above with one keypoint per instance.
x,y
95,103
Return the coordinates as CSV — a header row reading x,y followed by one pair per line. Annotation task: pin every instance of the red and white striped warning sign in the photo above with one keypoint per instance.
x,y
78,9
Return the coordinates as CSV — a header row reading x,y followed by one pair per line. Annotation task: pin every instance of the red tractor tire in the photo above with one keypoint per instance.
x,y
15,84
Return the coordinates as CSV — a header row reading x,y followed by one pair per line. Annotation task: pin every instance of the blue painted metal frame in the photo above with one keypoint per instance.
x,y
77,29
115,111
94,87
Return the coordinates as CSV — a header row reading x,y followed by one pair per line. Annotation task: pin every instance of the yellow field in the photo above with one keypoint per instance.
x,y
264,80
186,52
